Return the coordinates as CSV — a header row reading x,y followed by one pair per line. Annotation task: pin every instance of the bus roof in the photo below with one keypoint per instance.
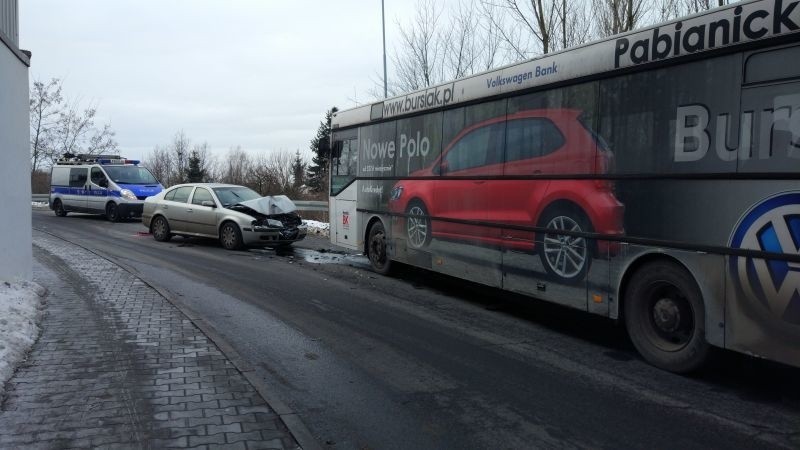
x,y
717,28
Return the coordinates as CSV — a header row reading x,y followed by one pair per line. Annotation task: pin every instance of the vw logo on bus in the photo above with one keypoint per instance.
x,y
772,225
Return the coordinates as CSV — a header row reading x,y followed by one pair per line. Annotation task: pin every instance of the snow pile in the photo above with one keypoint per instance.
x,y
314,227
39,204
20,312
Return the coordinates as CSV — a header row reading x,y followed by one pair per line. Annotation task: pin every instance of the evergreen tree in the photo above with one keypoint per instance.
x,y
195,174
317,175
298,171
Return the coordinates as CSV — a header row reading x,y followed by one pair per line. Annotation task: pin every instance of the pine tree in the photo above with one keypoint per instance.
x,y
298,171
317,175
195,174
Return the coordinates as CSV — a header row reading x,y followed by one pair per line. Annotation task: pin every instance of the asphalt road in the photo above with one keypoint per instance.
x,y
422,361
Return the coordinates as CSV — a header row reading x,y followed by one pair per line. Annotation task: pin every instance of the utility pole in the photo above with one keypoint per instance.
x,y
383,22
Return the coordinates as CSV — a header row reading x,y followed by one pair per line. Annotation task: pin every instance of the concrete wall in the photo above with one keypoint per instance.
x,y
15,171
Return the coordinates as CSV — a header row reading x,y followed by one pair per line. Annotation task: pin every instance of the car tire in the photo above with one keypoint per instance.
x,y
418,229
566,258
377,249
230,236
160,229
112,212
58,208
665,317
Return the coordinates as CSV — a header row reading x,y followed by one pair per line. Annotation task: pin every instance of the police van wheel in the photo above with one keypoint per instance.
x,y
58,207
160,229
112,212
665,317
230,236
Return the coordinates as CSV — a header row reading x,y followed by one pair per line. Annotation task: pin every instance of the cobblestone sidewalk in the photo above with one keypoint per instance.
x,y
117,366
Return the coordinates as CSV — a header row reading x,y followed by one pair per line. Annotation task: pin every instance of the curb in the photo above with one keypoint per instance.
x,y
290,418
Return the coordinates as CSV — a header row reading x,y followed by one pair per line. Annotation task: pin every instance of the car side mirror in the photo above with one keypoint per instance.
x,y
103,183
209,203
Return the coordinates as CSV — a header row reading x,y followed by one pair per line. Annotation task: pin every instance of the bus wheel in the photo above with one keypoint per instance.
x,y
377,250
230,236
566,257
160,229
58,207
665,317
112,212
418,229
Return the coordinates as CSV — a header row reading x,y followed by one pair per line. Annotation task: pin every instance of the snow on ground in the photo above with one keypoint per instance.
x,y
321,228
20,314
39,204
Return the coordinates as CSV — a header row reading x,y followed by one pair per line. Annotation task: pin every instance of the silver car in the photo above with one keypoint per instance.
x,y
236,215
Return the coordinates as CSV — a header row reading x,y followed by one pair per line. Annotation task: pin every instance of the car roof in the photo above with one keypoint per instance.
x,y
211,185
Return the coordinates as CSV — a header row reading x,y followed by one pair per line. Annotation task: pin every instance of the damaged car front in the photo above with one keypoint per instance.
x,y
275,221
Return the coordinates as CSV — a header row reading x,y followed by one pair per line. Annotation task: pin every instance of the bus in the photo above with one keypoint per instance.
x,y
652,178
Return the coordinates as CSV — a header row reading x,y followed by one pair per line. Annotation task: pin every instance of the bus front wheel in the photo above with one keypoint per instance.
x,y
377,250
665,317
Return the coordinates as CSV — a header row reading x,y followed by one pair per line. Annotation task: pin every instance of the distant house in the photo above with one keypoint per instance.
x,y
15,184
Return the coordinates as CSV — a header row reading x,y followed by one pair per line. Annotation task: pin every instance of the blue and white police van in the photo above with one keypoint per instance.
x,y
100,184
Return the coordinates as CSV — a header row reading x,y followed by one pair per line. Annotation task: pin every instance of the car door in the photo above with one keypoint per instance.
x,y
202,219
176,202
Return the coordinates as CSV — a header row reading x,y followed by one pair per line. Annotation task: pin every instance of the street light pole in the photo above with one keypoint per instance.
x,y
383,22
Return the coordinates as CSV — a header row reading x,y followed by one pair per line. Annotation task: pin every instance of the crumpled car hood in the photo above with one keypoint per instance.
x,y
270,205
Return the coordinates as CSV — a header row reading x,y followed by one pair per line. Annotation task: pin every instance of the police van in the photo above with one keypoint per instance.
x,y
100,184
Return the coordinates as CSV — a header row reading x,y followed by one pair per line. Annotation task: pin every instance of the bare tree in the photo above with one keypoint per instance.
x,y
235,167
45,107
617,16
160,163
179,148
419,61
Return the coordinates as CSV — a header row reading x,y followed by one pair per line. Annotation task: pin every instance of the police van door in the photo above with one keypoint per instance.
x,y
98,190
75,200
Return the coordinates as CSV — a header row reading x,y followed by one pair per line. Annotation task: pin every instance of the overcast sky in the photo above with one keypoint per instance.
x,y
259,74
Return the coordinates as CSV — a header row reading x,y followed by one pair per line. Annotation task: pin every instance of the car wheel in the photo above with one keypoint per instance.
x,y
112,212
377,249
565,257
418,225
230,236
160,229
665,317
58,207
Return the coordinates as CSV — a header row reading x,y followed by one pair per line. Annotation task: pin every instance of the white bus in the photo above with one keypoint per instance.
x,y
652,177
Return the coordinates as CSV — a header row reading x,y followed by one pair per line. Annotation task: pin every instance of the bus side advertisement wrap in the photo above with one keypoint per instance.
x,y
662,194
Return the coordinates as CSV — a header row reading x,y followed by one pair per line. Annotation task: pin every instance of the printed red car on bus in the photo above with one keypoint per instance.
x,y
488,175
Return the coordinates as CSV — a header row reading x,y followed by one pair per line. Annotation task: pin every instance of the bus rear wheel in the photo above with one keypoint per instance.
x,y
665,317
377,250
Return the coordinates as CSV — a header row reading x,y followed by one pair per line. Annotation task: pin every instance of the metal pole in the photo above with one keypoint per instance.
x,y
383,22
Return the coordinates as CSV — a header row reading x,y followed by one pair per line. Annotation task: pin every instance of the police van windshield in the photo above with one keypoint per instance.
x,y
130,175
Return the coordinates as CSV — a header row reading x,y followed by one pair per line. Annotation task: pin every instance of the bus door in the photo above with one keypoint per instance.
x,y
344,194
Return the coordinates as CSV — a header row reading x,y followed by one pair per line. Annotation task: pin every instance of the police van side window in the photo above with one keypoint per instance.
x,y
97,176
77,177
60,176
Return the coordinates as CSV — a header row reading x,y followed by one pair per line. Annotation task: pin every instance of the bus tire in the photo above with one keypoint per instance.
x,y
160,229
418,230
112,212
378,250
566,258
230,236
665,317
58,208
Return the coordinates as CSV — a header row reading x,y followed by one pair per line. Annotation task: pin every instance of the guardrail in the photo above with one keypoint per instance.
x,y
302,205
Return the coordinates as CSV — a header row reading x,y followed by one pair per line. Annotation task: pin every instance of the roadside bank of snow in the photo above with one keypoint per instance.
x,y
20,315
320,228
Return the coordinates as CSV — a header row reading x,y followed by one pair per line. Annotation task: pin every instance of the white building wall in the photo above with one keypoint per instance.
x,y
16,258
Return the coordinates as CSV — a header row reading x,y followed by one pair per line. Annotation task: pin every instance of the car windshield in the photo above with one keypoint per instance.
x,y
233,195
130,175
